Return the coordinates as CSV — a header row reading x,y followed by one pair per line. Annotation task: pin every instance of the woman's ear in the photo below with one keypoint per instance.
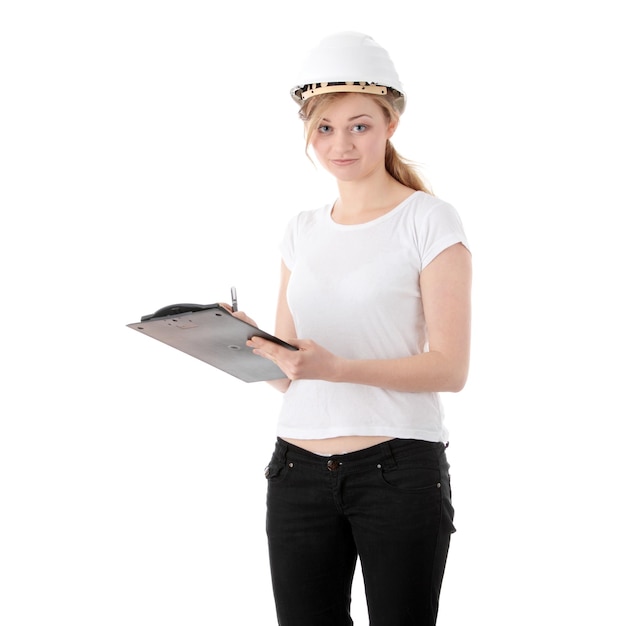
x,y
391,129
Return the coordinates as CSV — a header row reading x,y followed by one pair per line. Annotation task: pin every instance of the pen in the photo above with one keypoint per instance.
x,y
233,297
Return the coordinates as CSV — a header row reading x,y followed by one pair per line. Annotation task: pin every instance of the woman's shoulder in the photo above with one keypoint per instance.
x,y
309,217
425,201
421,206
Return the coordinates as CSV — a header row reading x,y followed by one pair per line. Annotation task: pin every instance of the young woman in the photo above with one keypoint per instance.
x,y
375,293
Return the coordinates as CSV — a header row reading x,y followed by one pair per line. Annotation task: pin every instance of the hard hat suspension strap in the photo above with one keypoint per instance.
x,y
317,89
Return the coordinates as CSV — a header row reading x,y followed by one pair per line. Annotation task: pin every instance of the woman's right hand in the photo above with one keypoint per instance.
x,y
239,314
242,316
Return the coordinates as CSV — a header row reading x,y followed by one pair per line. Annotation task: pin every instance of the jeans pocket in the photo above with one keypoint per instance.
x,y
411,478
447,508
275,469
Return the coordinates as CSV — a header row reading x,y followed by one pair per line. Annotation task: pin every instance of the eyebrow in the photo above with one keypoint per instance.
x,y
350,119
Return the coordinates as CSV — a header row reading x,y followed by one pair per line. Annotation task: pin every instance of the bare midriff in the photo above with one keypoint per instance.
x,y
337,445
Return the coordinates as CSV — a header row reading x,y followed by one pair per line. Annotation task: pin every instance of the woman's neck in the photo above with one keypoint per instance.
x,y
358,203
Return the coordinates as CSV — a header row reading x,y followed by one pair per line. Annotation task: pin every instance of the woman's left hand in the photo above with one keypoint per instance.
x,y
311,361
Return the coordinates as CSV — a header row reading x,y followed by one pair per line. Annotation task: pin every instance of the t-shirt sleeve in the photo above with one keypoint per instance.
x,y
441,228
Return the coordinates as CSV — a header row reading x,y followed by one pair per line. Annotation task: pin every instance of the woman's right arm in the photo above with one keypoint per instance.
x,y
285,328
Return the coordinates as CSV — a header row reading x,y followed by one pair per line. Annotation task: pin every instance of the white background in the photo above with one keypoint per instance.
x,y
150,154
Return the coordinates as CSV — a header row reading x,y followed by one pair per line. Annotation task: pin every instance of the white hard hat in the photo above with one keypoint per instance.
x,y
348,62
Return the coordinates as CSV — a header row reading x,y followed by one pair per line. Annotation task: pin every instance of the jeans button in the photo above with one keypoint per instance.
x,y
333,465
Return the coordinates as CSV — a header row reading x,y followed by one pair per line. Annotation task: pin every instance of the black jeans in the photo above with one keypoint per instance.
x,y
390,505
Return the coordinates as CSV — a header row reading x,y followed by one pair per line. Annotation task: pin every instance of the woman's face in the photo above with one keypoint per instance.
x,y
350,139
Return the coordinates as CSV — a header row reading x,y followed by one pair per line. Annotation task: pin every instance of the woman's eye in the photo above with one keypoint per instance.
x,y
359,128
323,129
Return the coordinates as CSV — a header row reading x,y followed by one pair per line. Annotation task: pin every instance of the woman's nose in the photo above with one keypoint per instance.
x,y
343,141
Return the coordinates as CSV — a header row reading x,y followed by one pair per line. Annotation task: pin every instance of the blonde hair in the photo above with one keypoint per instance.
x,y
404,171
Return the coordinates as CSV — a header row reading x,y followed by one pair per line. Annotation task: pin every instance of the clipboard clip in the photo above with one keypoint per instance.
x,y
177,309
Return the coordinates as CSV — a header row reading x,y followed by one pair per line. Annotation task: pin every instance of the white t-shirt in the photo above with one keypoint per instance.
x,y
354,289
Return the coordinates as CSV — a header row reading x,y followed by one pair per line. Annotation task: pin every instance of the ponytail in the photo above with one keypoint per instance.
x,y
402,170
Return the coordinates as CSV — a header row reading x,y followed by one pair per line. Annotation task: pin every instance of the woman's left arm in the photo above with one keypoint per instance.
x,y
445,286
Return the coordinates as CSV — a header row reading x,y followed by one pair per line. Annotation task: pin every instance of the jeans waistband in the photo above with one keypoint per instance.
x,y
387,452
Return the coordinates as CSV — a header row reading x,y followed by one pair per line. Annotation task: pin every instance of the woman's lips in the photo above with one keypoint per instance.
x,y
343,162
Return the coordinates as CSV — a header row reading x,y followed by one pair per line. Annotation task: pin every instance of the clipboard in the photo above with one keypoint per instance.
x,y
210,333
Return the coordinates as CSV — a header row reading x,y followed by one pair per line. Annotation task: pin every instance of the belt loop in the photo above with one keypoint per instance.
x,y
389,461
281,450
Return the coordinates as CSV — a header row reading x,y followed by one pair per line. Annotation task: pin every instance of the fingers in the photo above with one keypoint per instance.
x,y
271,347
258,346
238,314
241,315
267,349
